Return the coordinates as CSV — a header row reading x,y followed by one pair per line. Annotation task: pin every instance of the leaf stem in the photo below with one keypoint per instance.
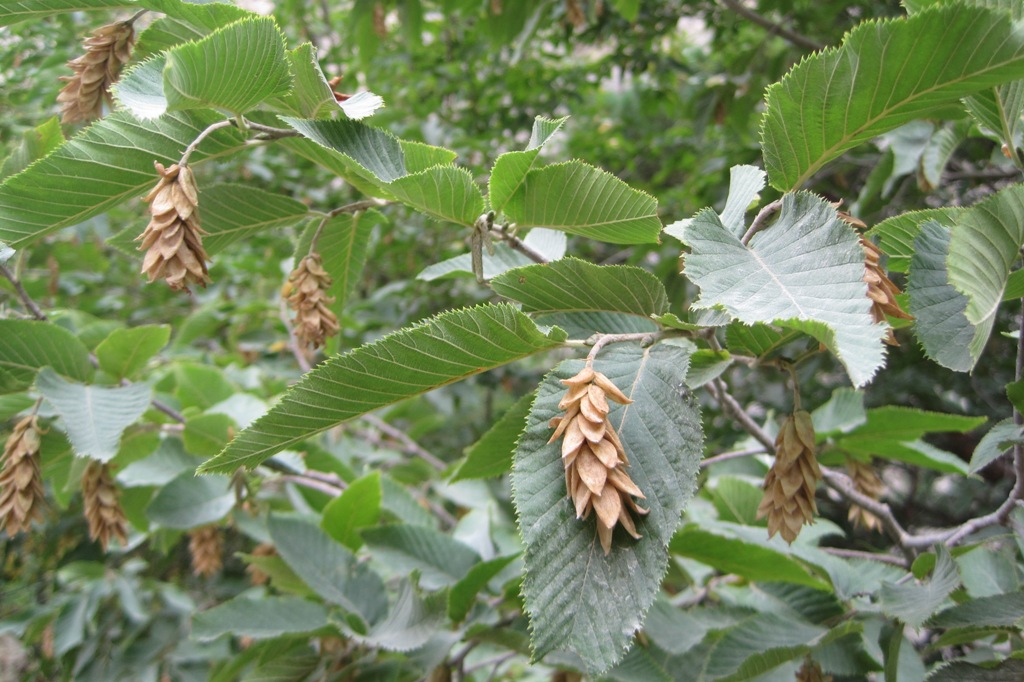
x,y
599,341
758,224
213,127
518,244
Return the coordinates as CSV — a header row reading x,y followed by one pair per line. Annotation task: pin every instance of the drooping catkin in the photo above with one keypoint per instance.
x,y
256,575
106,51
306,290
21,483
206,547
593,457
173,239
881,290
102,505
788,500
866,482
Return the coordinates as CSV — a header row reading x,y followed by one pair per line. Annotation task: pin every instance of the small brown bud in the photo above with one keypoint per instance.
x,y
866,482
788,500
173,239
102,505
21,483
307,289
593,456
205,545
106,51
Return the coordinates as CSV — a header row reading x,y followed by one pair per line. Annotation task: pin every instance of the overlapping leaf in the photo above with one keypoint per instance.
x,y
914,604
576,597
27,346
511,168
805,272
897,234
101,167
19,10
442,350
885,74
261,618
190,501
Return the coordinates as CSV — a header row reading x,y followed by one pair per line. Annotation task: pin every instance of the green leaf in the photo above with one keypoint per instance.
x,y
104,165
940,150
343,246
440,559
262,618
995,443
462,595
885,74
201,386
233,69
579,199
629,9
94,416
190,501
281,576
576,597
914,604
443,192
984,245
444,349
356,508
492,454
184,22
330,569
233,213
757,339
126,351
1010,670
998,111
310,96
843,412
897,234
159,468
998,610
510,169
707,365
941,324
410,623
576,285
736,499
13,12
206,434
26,346
1015,392
804,272
745,185
35,144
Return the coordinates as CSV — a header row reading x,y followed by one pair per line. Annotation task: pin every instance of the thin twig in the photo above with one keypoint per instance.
x,y
312,484
22,294
409,445
357,206
270,132
783,32
210,129
732,408
735,454
759,220
842,484
517,244
868,556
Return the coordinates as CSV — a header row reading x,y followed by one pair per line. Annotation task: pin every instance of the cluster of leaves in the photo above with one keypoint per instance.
x,y
398,511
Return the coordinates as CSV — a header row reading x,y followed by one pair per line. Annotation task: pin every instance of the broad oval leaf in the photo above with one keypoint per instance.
x,y
576,285
443,192
13,12
374,154
444,349
26,346
579,199
805,272
885,74
915,603
896,235
94,416
261,618
126,351
440,559
190,501
357,507
106,164
576,597
511,168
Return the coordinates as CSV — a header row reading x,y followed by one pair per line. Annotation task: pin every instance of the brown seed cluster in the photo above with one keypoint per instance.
x,y
593,456
173,239
788,500
102,505
206,546
106,51
881,290
21,482
306,290
257,576
866,482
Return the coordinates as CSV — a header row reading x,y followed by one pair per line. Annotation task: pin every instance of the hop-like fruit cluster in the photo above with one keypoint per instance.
x,y
881,290
106,51
256,575
102,505
21,483
788,500
173,239
593,456
206,546
307,289
866,482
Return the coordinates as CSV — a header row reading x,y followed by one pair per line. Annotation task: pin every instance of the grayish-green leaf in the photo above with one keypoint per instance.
x,y
1010,670
127,350
26,346
440,559
575,596
576,285
805,271
580,199
410,623
190,501
995,443
1000,610
261,618
492,454
897,234
94,416
440,351
843,412
885,74
106,164
915,603
998,110
745,185
550,244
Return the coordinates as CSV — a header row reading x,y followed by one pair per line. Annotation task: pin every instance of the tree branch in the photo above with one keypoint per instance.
x,y
408,444
779,30
22,294
519,245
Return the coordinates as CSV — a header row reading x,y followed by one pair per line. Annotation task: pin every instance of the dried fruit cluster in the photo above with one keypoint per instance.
x,y
206,545
788,500
593,456
102,506
881,290
173,239
106,51
307,289
866,481
21,485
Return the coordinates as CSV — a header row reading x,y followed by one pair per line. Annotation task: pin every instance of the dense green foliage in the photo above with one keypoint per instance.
x,y
670,192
